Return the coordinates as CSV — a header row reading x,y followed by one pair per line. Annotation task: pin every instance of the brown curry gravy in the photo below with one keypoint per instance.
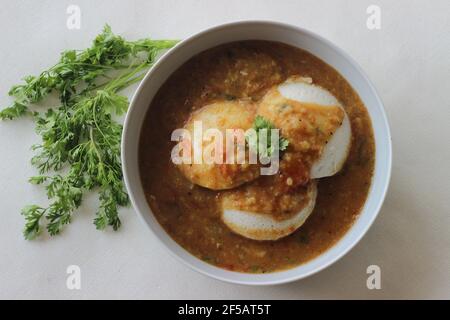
x,y
190,214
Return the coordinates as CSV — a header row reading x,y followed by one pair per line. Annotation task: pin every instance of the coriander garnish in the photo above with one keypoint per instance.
x,y
80,147
265,149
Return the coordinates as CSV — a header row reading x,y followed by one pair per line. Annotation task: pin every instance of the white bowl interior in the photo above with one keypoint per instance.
x,y
260,30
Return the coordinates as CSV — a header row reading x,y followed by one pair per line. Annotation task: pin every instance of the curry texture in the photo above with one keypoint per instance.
x,y
190,214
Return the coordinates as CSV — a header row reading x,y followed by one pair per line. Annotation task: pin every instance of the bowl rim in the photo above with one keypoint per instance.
x,y
362,231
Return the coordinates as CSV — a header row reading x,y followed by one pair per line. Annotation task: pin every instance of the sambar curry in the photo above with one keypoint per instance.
x,y
190,214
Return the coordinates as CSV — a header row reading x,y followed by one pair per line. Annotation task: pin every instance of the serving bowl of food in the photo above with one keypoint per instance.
x,y
306,170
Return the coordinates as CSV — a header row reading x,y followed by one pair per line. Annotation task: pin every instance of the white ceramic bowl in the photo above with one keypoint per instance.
x,y
260,30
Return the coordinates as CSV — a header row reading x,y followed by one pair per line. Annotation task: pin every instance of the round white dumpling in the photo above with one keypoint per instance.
x,y
221,116
247,212
314,122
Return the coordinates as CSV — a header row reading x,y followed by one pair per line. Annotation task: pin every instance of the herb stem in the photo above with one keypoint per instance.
x,y
80,135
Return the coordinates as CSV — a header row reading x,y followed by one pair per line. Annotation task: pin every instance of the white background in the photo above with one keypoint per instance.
x,y
408,60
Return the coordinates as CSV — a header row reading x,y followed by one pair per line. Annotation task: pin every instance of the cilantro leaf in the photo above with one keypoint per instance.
x,y
265,148
80,149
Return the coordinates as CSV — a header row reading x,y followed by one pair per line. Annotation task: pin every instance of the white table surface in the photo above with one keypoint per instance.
x,y
408,60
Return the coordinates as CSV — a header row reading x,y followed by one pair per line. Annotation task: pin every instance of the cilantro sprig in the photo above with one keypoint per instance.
x,y
80,149
265,148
